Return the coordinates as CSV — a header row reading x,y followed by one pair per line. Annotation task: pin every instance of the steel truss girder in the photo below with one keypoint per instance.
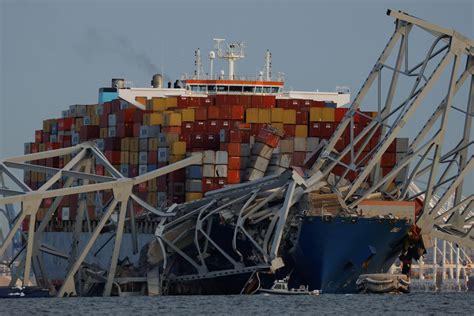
x,y
428,153
242,201
84,156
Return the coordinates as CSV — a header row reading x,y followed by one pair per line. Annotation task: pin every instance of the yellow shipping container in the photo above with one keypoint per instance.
x,y
124,157
172,119
192,196
134,144
187,115
301,131
155,119
279,126
151,198
78,124
95,120
277,115
178,148
264,116
171,102
103,132
176,158
125,144
328,115
171,138
315,114
153,144
156,104
133,158
151,185
289,117
251,115
146,119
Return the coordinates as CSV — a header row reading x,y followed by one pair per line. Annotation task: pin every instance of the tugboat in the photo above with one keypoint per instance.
x,y
280,287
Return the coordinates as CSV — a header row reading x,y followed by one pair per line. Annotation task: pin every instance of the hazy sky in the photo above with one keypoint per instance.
x,y
57,53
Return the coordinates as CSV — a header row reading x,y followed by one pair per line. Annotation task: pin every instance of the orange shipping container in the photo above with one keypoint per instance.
x,y
141,100
213,112
238,112
233,176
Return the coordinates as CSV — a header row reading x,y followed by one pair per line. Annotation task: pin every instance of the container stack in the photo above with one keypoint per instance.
x,y
243,138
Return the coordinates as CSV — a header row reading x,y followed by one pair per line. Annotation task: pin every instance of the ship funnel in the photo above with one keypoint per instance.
x,y
157,81
118,83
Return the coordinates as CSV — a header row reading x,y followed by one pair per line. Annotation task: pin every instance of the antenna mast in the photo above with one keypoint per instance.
x,y
267,70
198,70
232,52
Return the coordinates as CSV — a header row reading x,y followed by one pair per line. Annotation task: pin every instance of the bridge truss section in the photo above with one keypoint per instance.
x,y
431,97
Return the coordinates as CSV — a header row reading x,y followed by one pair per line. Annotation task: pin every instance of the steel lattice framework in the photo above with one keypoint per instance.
x,y
440,161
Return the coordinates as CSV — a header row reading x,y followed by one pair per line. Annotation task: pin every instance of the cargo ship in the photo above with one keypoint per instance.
x,y
143,129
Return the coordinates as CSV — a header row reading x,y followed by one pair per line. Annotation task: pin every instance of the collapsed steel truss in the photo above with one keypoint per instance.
x,y
259,210
244,203
436,156
81,167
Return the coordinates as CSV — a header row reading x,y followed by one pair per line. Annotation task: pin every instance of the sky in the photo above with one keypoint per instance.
x,y
57,53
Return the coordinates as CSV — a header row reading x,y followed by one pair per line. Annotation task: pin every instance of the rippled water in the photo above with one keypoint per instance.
x,y
416,303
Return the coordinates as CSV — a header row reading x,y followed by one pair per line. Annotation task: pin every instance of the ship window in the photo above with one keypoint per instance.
x,y
202,88
194,88
248,89
222,88
267,89
258,89
235,88
275,89
211,88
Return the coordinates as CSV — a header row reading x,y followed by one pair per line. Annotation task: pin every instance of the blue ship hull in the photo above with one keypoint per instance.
x,y
331,254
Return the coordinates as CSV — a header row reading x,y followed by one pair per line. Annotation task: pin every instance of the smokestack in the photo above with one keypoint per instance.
x,y
157,81
118,83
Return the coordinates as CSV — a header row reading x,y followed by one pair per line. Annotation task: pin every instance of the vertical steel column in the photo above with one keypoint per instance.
x,y
430,190
122,192
443,276
435,261
68,285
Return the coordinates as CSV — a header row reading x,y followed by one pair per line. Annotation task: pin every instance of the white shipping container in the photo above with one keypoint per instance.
x,y
209,157
300,144
286,146
222,157
163,154
65,214
259,163
312,143
193,185
111,132
262,150
112,120
143,157
285,161
208,171
253,174
221,171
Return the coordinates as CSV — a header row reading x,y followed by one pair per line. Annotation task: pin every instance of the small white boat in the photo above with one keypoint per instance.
x,y
280,287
